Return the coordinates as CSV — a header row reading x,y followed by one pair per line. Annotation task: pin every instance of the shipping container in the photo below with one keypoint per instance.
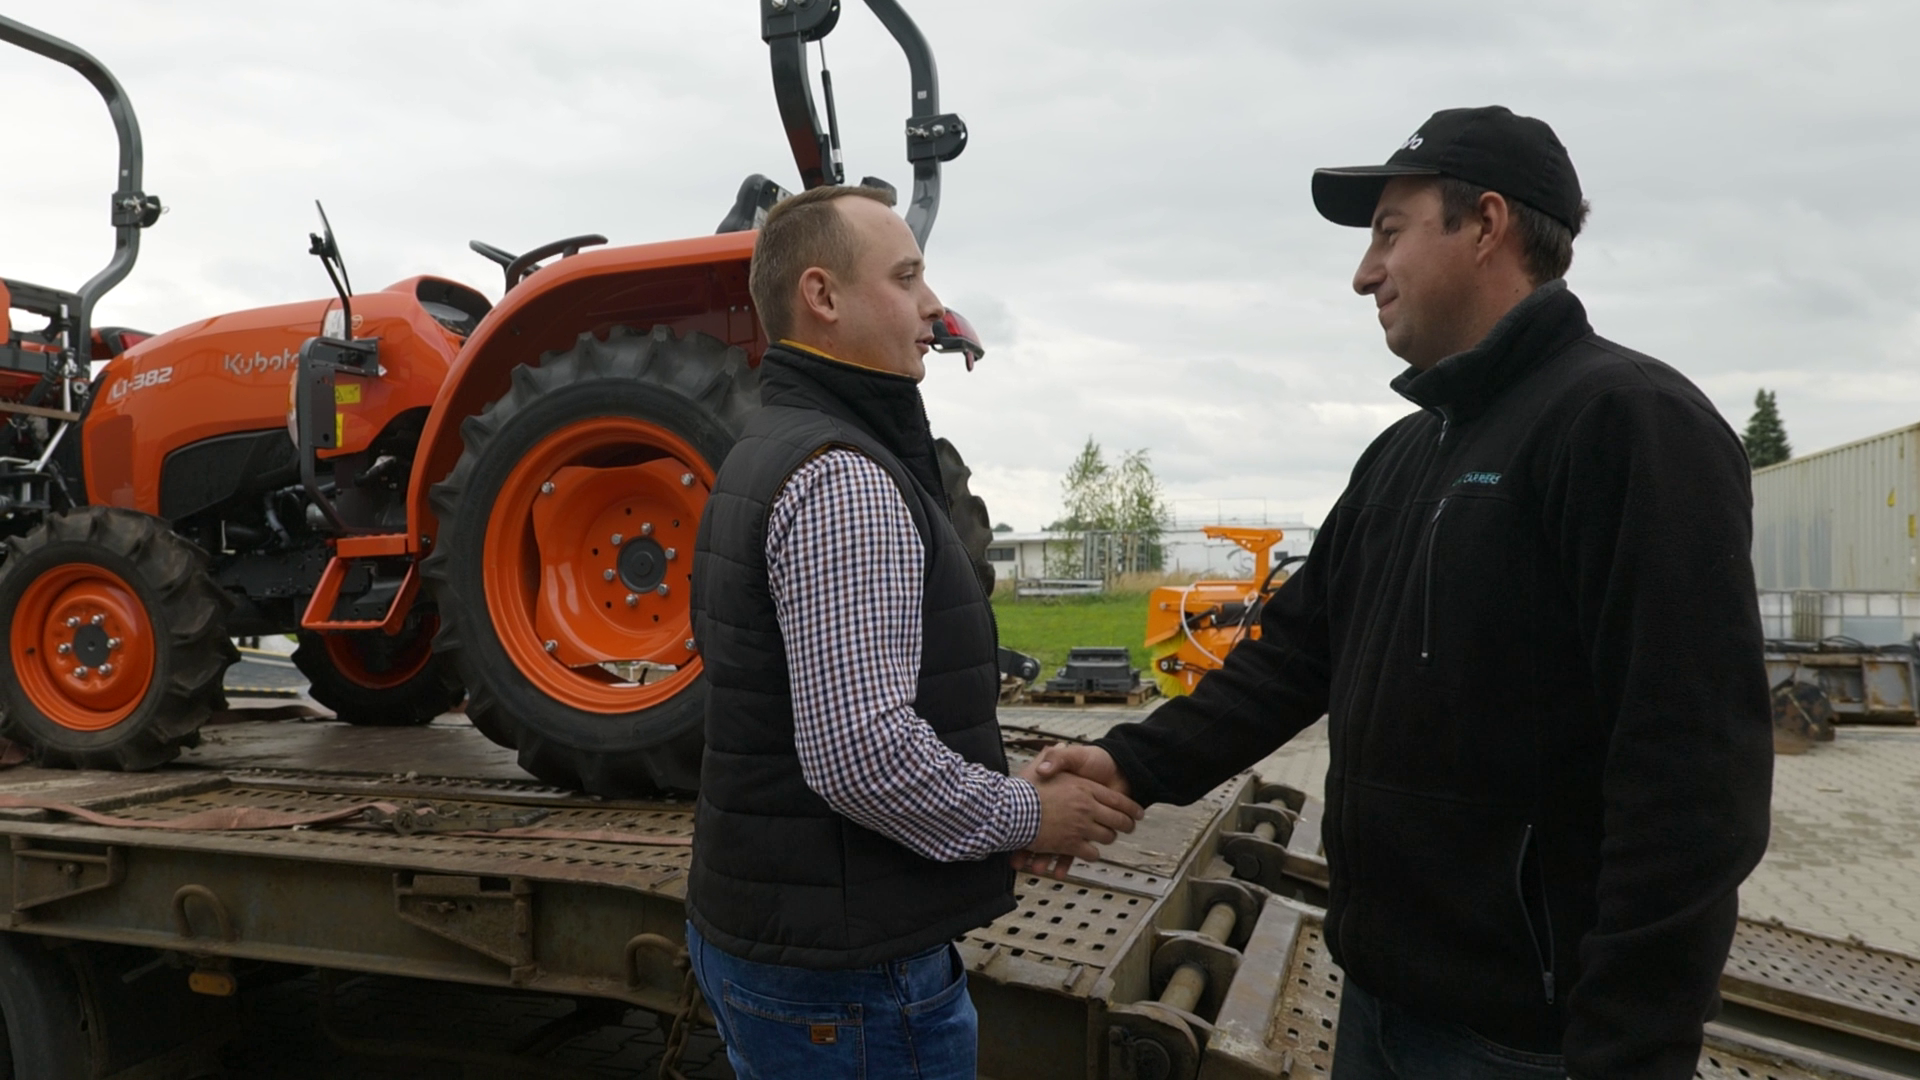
x,y
1841,520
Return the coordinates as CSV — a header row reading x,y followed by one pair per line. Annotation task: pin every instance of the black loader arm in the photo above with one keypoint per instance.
x,y
132,208
933,137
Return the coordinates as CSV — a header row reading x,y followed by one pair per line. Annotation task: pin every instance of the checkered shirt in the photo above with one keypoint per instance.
x,y
846,565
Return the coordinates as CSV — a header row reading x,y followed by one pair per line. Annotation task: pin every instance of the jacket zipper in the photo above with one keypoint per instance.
x,y
1545,958
1426,617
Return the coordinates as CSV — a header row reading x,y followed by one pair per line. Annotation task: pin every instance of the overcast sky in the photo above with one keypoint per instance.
x,y
1130,228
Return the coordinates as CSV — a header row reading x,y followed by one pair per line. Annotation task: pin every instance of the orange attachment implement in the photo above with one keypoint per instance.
x,y
1191,628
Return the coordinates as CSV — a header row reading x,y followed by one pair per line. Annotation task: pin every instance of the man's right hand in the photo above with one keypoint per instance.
x,y
1076,814
1091,762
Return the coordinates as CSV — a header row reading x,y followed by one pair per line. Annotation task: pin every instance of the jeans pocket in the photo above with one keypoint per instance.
x,y
779,1039
944,1027
1507,1063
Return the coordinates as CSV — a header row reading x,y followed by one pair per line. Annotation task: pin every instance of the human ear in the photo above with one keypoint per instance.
x,y
818,294
1496,220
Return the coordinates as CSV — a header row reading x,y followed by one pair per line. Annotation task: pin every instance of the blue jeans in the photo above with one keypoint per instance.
x,y
908,1018
1378,1040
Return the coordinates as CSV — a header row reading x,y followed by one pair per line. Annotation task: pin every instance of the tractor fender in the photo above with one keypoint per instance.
x,y
688,285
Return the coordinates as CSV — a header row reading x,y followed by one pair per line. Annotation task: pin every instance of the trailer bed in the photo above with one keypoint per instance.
x,y
593,907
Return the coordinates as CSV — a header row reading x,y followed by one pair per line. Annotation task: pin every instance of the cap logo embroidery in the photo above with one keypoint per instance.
x,y
1413,141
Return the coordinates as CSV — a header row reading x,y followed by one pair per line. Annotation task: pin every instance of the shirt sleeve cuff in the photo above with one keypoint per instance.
x,y
1022,815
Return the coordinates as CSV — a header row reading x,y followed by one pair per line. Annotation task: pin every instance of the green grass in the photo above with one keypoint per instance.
x,y
1047,627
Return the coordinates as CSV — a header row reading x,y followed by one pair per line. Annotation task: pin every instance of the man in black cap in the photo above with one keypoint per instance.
x,y
1531,623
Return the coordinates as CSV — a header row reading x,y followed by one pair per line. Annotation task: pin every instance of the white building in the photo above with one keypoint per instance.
x,y
1021,556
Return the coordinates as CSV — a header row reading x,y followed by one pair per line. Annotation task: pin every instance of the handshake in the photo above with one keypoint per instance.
x,y
1083,802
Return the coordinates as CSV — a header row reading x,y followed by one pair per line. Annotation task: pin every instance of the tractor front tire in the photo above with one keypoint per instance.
x,y
116,641
372,679
563,564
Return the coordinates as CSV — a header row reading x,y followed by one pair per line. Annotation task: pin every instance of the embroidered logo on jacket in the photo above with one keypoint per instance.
x,y
1487,479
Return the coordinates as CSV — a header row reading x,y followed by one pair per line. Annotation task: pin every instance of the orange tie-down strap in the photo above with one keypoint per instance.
x,y
254,819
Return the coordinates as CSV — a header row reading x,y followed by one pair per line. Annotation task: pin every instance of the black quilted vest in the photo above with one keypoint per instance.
x,y
778,877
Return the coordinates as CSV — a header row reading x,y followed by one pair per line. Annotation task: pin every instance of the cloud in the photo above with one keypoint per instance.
x,y
1129,227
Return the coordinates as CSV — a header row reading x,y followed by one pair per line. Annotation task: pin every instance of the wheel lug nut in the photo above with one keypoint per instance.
x,y
106,669
64,649
546,488
113,643
552,645
689,644
633,599
686,479
606,575
646,529
80,672
73,621
617,538
661,588
671,553
98,619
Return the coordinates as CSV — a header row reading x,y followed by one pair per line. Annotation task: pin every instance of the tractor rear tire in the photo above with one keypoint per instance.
x,y
115,641
372,680
621,436
968,511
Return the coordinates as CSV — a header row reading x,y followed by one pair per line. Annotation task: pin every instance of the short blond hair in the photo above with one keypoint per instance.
x,y
801,232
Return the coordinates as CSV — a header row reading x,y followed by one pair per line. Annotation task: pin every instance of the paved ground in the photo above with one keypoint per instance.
x,y
1844,859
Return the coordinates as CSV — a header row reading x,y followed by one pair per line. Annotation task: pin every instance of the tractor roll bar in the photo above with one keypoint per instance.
x,y
132,209
932,136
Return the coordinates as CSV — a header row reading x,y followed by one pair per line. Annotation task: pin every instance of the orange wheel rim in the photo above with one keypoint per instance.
x,y
83,647
589,556
353,654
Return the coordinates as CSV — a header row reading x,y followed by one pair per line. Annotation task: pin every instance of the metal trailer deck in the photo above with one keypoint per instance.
x,y
1192,949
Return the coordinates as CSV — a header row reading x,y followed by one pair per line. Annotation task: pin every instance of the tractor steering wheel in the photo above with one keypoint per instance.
x,y
517,267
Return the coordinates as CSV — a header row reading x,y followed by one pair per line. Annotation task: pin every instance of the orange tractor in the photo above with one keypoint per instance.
x,y
1190,628
465,500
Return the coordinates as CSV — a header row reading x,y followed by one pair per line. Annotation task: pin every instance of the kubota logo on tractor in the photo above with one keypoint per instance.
x,y
140,382
259,363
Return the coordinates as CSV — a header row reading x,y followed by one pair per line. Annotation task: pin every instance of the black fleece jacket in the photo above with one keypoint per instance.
x,y
1531,621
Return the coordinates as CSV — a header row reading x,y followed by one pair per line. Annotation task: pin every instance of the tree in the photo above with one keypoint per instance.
x,y
1083,491
1123,505
1766,435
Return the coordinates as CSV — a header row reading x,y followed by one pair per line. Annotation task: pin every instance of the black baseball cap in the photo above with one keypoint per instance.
x,y
1491,147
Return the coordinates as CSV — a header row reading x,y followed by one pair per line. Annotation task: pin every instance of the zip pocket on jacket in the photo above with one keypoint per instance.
x,y
1426,614
1543,957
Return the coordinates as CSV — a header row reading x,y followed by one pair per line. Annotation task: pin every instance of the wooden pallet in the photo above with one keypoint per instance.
x,y
1144,692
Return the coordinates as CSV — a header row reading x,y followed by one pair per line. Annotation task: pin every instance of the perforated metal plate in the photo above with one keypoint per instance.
x,y
1061,924
1309,1005
1844,985
1309,1011
1717,1064
410,784
640,866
